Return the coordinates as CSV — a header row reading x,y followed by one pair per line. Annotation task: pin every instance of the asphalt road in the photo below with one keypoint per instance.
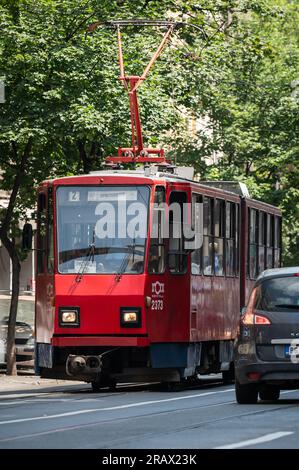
x,y
144,417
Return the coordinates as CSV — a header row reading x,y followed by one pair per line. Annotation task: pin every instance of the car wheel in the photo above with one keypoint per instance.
x,y
270,394
246,394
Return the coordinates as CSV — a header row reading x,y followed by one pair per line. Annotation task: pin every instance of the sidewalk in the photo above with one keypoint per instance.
x,y
29,297
32,383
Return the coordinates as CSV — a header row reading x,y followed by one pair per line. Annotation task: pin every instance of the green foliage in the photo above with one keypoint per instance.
x,y
234,67
249,90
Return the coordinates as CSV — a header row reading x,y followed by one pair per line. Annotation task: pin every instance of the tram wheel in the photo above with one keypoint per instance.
x,y
170,386
103,382
96,386
228,376
112,385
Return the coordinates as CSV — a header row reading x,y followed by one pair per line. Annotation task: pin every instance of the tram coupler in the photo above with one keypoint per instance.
x,y
81,365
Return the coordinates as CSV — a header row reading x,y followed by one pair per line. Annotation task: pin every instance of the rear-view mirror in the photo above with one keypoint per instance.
x,y
27,236
243,310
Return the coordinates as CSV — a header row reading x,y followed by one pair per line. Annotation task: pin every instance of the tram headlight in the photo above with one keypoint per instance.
x,y
130,317
69,316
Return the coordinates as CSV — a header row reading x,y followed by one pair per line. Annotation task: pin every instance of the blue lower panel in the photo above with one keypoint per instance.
x,y
44,355
172,355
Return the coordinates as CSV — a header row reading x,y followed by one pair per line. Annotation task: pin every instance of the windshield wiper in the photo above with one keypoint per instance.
x,y
89,256
288,306
131,252
125,262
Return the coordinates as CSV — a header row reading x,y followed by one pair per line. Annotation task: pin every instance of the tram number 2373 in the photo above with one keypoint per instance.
x,y
157,304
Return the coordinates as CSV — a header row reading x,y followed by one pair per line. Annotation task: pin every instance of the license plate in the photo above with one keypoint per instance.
x,y
291,350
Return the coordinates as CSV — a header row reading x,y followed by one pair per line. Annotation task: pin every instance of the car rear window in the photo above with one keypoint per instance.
x,y
278,294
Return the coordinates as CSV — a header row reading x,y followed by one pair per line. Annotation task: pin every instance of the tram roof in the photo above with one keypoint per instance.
x,y
231,187
149,176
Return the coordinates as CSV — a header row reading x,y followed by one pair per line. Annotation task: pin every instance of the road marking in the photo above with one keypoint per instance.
x,y
112,408
32,399
88,425
93,424
21,395
53,400
49,400
258,440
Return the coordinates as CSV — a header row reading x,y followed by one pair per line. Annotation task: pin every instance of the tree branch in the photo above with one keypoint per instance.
x,y
72,34
17,182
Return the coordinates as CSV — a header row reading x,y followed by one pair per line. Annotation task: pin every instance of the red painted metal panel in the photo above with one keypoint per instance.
x,y
100,298
170,323
110,179
44,310
64,341
214,308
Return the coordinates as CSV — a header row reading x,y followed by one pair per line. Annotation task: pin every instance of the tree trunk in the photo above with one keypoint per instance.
x,y
5,228
16,268
247,169
83,156
228,21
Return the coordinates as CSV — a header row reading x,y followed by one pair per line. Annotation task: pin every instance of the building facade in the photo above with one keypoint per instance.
x,y
27,276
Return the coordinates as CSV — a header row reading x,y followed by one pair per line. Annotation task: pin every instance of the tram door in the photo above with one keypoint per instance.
x,y
167,269
157,290
44,311
179,278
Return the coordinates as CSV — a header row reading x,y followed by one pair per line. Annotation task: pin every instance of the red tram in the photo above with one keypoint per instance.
x,y
121,298
144,308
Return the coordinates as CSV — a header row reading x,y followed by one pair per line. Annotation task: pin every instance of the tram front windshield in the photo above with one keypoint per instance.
x,y
102,229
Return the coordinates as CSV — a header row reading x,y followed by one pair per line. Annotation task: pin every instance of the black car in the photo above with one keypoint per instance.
x,y
24,341
267,347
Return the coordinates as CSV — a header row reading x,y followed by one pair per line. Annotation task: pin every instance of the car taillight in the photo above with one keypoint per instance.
x,y
254,375
252,318
261,320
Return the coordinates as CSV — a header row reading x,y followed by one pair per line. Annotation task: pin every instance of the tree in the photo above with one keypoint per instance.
x,y
65,110
249,92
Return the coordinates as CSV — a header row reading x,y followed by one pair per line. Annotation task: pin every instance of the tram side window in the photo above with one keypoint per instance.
x,y
262,241
196,255
50,250
208,268
253,242
232,239
277,242
236,239
41,232
156,263
229,232
219,217
270,247
177,259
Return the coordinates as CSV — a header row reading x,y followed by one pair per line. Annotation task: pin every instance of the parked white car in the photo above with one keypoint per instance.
x,y
24,340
